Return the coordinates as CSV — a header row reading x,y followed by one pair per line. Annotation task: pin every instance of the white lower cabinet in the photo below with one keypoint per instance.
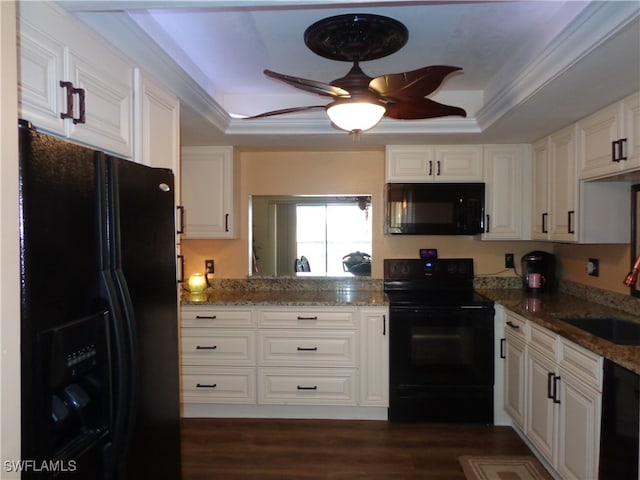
x,y
219,385
558,393
515,368
307,386
307,356
541,411
218,355
273,357
374,357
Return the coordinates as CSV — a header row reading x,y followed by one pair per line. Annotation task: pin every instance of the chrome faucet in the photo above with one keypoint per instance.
x,y
632,276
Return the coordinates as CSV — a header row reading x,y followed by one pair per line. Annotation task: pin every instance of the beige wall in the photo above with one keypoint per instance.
x,y
615,263
357,172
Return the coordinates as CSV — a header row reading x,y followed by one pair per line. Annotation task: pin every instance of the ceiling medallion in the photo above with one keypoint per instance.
x,y
356,37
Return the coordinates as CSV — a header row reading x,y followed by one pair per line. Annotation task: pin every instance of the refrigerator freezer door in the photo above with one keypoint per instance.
x,y
142,200
62,285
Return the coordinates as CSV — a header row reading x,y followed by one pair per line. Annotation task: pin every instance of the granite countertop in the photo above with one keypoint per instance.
x,y
544,309
320,298
291,291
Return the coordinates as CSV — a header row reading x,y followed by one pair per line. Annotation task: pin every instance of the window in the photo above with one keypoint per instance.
x,y
322,228
326,233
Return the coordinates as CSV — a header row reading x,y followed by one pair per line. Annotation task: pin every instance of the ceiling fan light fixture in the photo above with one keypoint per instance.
x,y
355,116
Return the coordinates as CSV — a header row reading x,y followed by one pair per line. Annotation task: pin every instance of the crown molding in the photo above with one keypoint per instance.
x,y
123,33
597,23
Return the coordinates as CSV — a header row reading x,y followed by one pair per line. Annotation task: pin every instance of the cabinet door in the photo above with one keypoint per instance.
x,y
505,192
317,348
374,357
207,193
157,122
631,131
56,47
409,163
514,380
578,429
540,190
563,183
230,385
307,386
107,81
595,136
458,163
41,69
541,411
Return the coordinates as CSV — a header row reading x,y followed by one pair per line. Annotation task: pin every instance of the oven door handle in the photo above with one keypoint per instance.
x,y
473,306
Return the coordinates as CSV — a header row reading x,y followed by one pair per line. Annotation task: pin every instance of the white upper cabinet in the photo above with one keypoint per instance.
x,y
71,83
433,163
567,209
609,140
157,127
508,192
540,190
208,192
554,187
562,185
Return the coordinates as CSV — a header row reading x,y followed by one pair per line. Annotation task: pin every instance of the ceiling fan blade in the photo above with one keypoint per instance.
x,y
309,85
420,108
414,84
284,111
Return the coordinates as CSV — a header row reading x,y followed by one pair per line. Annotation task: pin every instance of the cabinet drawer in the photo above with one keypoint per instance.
x,y
218,385
307,318
545,341
216,317
307,386
201,346
312,348
585,365
516,326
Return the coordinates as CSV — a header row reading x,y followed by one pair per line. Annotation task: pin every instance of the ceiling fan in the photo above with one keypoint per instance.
x,y
359,101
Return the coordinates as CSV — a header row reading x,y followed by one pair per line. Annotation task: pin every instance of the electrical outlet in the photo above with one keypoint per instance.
x,y
208,266
593,267
508,260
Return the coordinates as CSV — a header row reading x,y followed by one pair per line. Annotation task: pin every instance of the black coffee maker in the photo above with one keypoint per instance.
x,y
539,272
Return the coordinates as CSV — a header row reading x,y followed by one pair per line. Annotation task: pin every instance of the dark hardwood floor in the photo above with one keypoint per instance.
x,y
272,449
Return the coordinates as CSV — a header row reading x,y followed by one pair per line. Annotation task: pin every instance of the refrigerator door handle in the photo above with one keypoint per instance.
x,y
180,209
181,268
127,412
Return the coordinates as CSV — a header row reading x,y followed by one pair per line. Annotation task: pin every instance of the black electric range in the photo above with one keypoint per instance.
x,y
441,342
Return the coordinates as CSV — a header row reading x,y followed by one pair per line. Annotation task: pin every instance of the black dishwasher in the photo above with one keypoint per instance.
x,y
619,430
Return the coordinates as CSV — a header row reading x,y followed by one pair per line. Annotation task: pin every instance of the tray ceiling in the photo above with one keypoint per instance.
x,y
529,67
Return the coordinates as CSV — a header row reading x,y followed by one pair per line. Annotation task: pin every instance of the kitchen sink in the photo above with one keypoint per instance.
x,y
616,330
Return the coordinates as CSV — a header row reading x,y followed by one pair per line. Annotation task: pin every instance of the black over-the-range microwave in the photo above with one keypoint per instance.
x,y
434,208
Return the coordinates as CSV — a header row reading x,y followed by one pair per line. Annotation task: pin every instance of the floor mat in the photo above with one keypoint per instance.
x,y
503,468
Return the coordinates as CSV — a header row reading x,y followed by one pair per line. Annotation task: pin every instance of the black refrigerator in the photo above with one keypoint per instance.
x,y
99,338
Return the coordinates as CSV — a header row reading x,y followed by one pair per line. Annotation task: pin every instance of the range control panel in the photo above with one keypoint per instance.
x,y
438,269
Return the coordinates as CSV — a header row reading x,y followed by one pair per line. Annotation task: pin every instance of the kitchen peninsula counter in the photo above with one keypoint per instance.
x,y
545,310
291,291
321,298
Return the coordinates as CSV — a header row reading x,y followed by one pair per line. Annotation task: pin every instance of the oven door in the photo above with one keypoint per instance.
x,y
441,364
